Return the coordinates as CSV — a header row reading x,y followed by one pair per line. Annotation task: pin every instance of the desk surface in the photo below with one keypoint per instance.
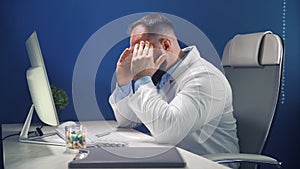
x,y
29,156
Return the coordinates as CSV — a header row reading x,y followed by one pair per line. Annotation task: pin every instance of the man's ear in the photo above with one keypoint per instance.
x,y
166,43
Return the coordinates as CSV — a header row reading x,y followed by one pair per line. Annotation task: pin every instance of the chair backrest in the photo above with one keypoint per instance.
x,y
1,149
253,66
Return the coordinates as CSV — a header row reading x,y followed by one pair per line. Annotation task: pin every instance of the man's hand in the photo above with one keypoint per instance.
x,y
123,72
142,63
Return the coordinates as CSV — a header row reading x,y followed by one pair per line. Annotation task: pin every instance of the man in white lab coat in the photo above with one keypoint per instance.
x,y
188,105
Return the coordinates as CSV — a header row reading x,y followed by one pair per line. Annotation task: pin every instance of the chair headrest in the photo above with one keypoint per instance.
x,y
253,50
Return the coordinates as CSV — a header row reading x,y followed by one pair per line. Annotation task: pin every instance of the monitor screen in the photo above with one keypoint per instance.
x,y
38,83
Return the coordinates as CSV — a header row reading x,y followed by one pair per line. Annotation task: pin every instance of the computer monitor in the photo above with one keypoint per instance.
x,y
40,90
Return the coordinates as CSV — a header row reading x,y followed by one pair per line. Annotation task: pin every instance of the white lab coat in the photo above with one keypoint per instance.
x,y
193,110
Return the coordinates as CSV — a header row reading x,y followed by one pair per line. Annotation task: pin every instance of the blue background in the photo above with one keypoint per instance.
x,y
64,26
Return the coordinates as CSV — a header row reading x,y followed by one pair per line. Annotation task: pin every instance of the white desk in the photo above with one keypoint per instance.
x,y
29,156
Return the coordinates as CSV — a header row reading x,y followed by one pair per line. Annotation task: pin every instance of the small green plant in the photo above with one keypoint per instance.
x,y
60,98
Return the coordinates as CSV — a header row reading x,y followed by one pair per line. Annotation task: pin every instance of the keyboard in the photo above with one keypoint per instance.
x,y
104,139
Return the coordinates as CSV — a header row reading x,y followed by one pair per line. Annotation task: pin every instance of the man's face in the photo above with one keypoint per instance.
x,y
139,33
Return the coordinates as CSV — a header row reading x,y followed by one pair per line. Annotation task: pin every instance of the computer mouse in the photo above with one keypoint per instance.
x,y
60,130
67,123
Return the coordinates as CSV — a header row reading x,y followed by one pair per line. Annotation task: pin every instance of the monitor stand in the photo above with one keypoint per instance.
x,y
24,135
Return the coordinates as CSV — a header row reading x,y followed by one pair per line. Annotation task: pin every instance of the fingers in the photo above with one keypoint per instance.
x,y
135,50
141,48
150,52
126,54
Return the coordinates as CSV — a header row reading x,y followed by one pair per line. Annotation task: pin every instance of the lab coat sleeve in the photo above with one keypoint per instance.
x,y
190,108
124,115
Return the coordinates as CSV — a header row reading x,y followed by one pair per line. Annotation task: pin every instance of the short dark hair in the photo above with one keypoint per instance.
x,y
154,23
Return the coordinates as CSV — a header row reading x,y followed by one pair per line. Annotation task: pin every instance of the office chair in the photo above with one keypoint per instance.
x,y
253,65
1,149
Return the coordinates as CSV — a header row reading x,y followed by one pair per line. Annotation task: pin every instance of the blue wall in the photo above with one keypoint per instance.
x,y
63,28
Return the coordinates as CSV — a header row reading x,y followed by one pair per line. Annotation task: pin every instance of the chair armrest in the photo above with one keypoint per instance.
x,y
242,157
